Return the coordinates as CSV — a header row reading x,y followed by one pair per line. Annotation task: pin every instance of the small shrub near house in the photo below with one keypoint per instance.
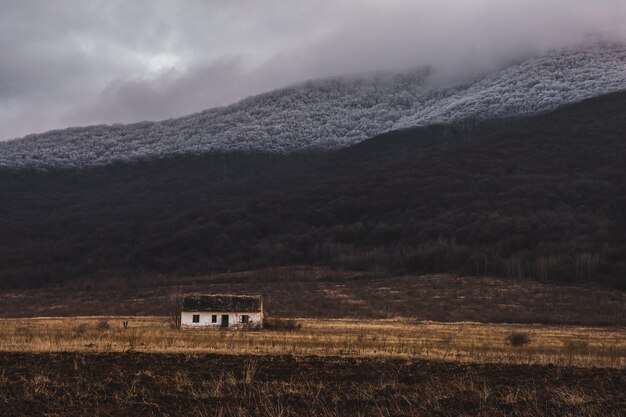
x,y
282,325
80,330
102,326
517,339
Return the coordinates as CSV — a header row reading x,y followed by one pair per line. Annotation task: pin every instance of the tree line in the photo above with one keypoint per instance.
x,y
542,197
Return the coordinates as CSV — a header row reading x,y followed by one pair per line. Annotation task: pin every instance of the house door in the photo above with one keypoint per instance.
x,y
224,320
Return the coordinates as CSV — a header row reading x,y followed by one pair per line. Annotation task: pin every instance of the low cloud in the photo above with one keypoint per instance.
x,y
75,63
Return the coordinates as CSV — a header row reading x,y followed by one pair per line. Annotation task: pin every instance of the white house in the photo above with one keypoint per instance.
x,y
222,311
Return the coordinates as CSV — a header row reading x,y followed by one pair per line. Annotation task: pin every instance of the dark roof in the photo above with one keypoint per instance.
x,y
222,302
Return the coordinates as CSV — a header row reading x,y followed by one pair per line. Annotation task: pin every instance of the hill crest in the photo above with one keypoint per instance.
x,y
333,113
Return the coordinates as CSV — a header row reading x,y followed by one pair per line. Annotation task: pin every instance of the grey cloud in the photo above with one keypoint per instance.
x,y
84,62
171,94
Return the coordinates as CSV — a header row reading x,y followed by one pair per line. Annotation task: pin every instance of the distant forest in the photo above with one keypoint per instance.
x,y
541,197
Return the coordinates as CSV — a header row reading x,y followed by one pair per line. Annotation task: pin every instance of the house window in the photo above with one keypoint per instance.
x,y
214,318
196,318
244,319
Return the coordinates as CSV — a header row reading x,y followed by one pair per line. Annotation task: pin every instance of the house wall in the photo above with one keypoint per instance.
x,y
234,319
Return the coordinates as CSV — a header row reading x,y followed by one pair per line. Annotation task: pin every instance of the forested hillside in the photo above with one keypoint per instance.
x,y
542,197
335,113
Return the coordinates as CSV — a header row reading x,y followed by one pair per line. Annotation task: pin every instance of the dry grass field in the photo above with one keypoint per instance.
x,y
462,342
350,344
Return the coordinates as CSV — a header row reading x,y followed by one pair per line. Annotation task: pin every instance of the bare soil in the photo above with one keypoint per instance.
x,y
61,384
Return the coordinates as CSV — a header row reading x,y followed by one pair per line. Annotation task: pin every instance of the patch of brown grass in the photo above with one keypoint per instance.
x,y
336,294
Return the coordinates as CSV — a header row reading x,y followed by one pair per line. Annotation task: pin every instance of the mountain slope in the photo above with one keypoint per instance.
x,y
541,197
333,113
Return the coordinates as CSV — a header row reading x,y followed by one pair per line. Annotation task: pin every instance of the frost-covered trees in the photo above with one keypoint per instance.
x,y
333,113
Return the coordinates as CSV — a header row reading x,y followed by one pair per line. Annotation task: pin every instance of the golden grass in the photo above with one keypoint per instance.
x,y
463,342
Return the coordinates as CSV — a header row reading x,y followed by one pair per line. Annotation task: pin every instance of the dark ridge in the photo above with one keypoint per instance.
x,y
541,197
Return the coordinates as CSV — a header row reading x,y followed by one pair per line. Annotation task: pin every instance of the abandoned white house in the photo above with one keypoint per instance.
x,y
222,311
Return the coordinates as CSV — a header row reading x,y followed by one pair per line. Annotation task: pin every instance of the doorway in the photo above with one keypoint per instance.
x,y
224,320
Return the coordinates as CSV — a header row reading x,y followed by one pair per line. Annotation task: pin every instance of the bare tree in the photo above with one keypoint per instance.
x,y
176,308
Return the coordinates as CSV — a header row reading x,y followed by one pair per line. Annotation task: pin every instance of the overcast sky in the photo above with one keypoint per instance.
x,y
67,63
